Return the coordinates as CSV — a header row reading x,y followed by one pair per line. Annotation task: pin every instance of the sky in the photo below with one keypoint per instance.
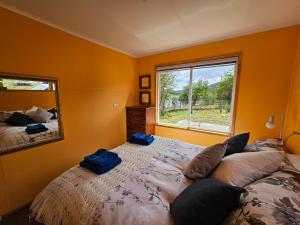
x,y
211,74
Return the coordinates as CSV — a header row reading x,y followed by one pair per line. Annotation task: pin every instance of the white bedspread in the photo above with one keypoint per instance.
x,y
136,192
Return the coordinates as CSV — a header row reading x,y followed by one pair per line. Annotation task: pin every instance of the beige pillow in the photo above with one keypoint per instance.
x,y
202,164
32,111
241,169
41,116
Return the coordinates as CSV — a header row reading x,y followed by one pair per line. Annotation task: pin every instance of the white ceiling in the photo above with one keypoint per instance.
x,y
144,27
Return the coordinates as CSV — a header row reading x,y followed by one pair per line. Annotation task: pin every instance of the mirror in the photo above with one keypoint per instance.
x,y
29,112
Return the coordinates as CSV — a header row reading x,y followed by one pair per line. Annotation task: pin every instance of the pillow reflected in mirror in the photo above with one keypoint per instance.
x,y
41,116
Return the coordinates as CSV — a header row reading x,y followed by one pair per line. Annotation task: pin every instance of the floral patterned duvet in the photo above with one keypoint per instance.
x,y
272,200
144,199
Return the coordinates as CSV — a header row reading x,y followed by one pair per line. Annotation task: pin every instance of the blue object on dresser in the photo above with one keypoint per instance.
x,y
141,139
101,161
36,128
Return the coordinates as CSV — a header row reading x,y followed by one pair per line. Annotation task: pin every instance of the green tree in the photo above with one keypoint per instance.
x,y
224,91
211,99
166,88
200,91
184,96
174,101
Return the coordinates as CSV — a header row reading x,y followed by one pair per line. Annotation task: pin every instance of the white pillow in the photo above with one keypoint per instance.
x,y
41,116
241,169
32,111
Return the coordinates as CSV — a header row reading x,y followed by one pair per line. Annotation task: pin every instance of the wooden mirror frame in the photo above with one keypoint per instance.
x,y
54,80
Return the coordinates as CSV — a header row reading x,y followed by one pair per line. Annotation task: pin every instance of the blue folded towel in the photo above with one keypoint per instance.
x,y
101,168
101,161
36,128
103,153
141,139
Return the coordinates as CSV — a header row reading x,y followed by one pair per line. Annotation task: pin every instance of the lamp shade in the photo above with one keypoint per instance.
x,y
270,124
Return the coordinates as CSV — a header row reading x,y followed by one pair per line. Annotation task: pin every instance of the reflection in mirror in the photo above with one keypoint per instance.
x,y
29,112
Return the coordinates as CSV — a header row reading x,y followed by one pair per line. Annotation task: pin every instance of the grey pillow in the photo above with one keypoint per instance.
x,y
41,116
241,169
202,164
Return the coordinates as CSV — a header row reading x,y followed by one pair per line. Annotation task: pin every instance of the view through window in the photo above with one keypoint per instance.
x,y
14,84
198,95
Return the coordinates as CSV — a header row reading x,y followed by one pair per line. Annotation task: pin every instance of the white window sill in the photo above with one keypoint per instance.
x,y
193,129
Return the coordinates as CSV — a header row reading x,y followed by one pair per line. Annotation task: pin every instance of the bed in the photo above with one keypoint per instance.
x,y
12,137
140,189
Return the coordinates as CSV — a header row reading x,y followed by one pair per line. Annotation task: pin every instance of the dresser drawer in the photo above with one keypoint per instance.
x,y
138,120
136,114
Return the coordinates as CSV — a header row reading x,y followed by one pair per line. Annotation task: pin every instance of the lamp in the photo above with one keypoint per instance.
x,y
271,122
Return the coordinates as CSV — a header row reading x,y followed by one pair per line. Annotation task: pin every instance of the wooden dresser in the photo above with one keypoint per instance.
x,y
140,119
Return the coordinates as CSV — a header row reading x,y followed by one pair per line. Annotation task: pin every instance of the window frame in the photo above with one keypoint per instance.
x,y
221,60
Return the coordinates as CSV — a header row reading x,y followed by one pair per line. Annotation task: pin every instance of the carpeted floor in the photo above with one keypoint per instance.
x,y
19,217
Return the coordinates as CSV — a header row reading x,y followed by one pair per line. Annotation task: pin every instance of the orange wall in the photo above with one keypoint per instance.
x,y
266,69
26,99
91,79
293,111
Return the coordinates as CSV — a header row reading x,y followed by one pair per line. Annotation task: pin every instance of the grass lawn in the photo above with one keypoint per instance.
x,y
210,114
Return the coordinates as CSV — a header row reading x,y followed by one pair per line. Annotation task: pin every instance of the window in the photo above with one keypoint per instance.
x,y
198,95
14,84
